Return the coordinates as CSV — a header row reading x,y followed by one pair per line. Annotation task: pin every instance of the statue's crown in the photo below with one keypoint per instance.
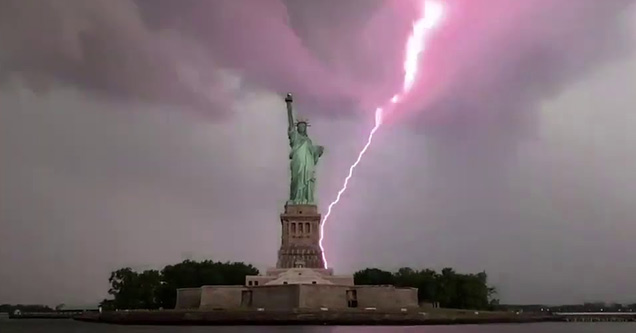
x,y
303,120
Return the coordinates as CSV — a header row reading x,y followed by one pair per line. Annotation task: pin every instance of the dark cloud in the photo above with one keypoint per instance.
x,y
102,47
494,56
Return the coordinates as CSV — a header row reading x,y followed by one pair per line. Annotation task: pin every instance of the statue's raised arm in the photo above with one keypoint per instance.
x,y
290,113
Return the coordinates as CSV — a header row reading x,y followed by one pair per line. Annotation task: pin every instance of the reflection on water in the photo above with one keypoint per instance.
x,y
70,326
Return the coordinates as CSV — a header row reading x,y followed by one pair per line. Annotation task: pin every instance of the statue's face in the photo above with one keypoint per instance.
x,y
302,128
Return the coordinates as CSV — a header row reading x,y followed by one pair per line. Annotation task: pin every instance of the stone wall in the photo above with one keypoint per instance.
x,y
258,280
323,296
386,297
407,297
291,296
279,297
278,271
298,276
188,298
221,297
343,280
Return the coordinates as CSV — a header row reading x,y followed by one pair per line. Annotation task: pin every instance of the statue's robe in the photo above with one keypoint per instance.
x,y
303,158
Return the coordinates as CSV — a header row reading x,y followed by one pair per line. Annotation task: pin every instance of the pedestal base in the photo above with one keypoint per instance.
x,y
300,238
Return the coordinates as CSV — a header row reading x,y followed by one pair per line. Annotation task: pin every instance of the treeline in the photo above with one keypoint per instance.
x,y
10,308
154,289
448,288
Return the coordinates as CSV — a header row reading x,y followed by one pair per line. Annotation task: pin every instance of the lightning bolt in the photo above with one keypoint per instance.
x,y
432,13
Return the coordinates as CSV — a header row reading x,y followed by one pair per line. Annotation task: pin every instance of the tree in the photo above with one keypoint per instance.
x,y
449,288
152,289
373,276
425,281
132,290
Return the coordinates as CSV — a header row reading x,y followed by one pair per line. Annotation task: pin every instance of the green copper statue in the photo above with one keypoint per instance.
x,y
303,157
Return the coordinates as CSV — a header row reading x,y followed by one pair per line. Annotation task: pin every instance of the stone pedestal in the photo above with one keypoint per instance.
x,y
300,238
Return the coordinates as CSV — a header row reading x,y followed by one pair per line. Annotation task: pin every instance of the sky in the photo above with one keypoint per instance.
x,y
143,132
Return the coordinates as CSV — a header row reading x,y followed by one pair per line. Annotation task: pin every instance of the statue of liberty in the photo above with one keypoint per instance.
x,y
303,158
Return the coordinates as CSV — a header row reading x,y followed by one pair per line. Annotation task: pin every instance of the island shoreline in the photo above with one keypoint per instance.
x,y
321,318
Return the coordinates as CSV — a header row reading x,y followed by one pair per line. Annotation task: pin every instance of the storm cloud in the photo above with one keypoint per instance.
x,y
511,154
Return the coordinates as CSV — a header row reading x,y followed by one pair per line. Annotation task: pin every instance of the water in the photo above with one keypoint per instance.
x,y
70,326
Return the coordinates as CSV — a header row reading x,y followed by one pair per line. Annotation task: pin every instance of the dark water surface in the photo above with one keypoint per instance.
x,y
70,326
